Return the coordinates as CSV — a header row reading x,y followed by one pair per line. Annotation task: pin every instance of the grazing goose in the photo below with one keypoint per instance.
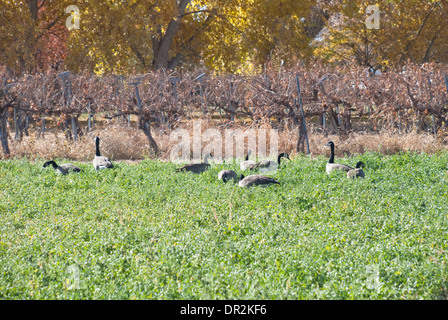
x,y
101,162
335,166
247,164
268,165
63,168
226,175
196,167
256,180
357,172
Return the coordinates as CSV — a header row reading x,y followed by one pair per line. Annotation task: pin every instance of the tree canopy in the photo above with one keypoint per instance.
x,y
408,30
224,35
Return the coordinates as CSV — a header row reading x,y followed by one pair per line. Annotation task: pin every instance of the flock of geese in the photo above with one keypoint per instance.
x,y
102,162
251,180
351,172
99,162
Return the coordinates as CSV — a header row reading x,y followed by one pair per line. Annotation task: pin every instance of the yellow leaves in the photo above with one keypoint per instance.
x,y
411,25
99,69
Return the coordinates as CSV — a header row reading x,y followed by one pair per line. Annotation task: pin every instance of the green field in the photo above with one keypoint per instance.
x,y
143,231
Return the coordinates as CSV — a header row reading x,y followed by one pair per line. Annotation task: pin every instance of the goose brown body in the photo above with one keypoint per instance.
x,y
331,166
267,165
63,168
196,167
357,172
256,180
247,164
100,162
226,175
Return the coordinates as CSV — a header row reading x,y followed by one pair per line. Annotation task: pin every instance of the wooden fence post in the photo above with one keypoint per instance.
x,y
120,86
174,82
200,79
337,115
303,115
16,124
446,85
67,89
90,117
434,129
43,126
320,84
44,89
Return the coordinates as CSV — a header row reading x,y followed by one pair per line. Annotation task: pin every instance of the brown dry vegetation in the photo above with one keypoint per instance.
x,y
128,143
366,112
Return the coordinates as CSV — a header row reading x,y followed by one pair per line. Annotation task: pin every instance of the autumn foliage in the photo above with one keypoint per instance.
x,y
233,36
233,61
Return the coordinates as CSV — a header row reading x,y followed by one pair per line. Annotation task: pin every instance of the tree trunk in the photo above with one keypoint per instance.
x,y
332,116
66,129
162,46
431,43
292,114
34,8
4,133
410,43
346,120
145,125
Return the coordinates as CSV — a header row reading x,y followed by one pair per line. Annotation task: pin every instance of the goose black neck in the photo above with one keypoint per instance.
x,y
331,160
97,142
279,158
52,163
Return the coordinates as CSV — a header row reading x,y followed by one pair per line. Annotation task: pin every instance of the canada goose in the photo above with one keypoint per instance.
x,y
63,168
267,165
226,175
247,164
357,172
196,167
335,166
256,180
101,162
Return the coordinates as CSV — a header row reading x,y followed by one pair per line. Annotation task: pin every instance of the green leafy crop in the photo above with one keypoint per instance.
x,y
143,231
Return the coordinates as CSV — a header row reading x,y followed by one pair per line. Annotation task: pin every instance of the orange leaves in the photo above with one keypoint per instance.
x,y
32,37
